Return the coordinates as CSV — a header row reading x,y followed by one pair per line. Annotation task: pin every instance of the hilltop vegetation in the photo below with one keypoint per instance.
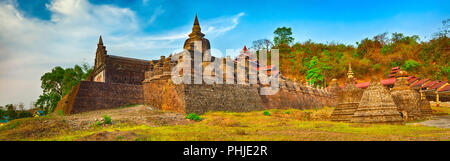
x,y
318,63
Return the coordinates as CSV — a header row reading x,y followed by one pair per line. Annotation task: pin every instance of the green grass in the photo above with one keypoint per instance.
x,y
291,124
441,110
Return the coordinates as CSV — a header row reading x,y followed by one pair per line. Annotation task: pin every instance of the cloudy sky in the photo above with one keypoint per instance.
x,y
37,35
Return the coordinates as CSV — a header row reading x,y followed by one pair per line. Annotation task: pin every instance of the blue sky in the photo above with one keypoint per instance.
x,y
36,35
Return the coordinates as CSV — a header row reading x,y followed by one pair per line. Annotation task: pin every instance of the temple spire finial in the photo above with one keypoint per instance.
x,y
350,72
196,30
100,41
196,20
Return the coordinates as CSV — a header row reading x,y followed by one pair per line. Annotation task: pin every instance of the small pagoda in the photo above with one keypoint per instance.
x,y
406,99
376,106
348,99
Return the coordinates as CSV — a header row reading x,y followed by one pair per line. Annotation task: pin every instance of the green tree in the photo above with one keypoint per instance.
x,y
283,35
314,73
11,112
411,65
59,82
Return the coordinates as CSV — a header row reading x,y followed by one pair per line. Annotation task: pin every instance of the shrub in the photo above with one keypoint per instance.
x,y
411,65
267,113
287,112
98,123
60,112
24,114
376,67
193,116
107,119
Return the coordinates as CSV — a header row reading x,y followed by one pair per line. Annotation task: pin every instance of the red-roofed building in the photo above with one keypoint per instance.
x,y
413,80
393,72
419,84
446,88
388,82
410,77
430,83
362,85
437,85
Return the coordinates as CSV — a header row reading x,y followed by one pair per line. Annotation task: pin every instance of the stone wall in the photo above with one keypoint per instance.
x,y
222,97
164,95
298,99
88,96
193,98
125,70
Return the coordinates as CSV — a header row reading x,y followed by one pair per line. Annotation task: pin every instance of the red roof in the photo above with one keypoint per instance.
x,y
426,85
446,88
410,77
362,85
412,80
395,68
437,85
389,81
419,83
245,48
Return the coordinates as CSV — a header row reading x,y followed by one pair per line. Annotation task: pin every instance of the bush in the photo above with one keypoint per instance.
x,y
193,116
107,119
11,112
411,65
287,112
267,113
24,114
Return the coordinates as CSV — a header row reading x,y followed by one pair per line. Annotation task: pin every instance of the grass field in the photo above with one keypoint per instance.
x,y
289,124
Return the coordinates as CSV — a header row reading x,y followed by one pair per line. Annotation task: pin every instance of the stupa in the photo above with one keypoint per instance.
x,y
348,99
376,105
406,99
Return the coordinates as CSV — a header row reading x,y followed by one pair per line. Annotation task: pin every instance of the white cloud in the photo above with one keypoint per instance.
x,y
220,26
30,47
158,11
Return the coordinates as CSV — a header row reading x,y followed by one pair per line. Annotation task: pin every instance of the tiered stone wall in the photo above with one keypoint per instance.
x,y
222,97
293,95
125,70
88,96
160,92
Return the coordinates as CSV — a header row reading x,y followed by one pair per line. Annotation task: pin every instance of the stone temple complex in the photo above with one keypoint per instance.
x,y
380,102
118,81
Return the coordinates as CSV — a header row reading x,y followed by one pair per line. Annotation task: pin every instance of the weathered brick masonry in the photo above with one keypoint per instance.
x,y
87,96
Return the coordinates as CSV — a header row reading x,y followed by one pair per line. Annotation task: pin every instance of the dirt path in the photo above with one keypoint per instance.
x,y
139,114
438,121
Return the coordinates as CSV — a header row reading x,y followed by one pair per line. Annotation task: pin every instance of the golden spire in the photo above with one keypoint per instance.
x,y
196,20
100,41
196,30
350,72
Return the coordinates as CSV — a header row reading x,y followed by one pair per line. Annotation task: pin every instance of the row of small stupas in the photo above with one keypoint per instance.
x,y
434,90
376,103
